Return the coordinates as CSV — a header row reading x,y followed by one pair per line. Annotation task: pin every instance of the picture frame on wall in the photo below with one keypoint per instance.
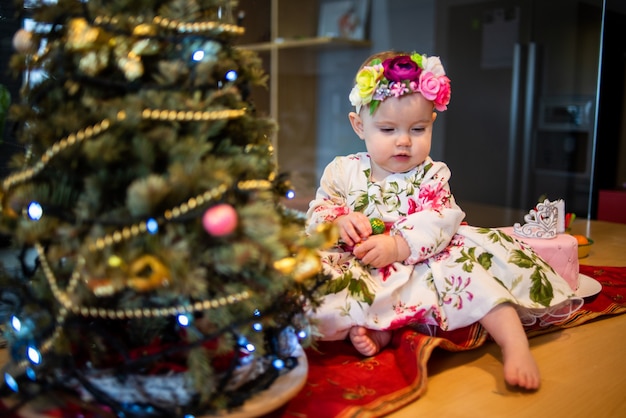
x,y
345,19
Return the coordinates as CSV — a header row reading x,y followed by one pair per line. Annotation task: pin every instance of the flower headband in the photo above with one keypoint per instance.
x,y
399,75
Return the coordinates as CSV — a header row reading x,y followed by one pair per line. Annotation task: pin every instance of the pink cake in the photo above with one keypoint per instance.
x,y
560,252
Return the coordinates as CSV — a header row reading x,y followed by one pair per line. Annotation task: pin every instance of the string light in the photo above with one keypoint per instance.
x,y
35,211
11,382
231,75
183,320
198,55
152,226
278,364
16,323
33,355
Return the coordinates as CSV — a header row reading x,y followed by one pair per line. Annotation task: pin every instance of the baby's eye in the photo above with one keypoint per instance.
x,y
386,130
418,129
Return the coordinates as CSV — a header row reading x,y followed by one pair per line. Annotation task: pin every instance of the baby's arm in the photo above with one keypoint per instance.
x,y
331,205
430,228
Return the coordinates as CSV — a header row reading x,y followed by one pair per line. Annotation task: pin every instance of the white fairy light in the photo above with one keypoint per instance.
x,y
35,211
198,55
33,355
278,364
183,320
16,323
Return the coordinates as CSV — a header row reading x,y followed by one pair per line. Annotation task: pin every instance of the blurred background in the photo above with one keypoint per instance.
x,y
537,104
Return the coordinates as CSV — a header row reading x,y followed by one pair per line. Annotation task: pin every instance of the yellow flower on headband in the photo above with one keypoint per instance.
x,y
367,79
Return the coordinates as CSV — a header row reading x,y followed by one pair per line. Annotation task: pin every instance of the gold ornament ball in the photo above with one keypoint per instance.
x,y
304,265
285,265
329,232
308,264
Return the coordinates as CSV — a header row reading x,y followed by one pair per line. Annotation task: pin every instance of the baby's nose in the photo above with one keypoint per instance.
x,y
403,140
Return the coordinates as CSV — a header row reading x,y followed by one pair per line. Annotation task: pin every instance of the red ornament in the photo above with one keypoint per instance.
x,y
220,220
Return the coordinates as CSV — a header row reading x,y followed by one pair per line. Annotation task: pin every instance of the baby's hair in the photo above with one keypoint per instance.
x,y
383,55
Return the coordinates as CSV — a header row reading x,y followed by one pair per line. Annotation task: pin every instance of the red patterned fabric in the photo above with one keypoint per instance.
x,y
342,383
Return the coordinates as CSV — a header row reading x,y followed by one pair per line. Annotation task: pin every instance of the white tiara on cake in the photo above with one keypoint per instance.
x,y
546,220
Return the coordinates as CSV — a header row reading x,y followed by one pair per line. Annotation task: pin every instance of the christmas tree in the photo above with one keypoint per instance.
x,y
169,278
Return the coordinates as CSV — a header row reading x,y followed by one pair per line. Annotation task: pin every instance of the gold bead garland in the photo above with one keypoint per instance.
x,y
132,231
105,124
143,29
130,313
70,140
171,214
188,115
142,227
196,27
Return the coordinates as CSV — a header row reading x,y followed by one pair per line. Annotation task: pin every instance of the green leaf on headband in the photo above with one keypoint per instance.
x,y
373,106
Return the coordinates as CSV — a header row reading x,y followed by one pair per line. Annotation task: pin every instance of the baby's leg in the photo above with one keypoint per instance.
x,y
504,325
369,342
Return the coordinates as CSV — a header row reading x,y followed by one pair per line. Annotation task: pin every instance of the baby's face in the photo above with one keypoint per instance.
x,y
398,134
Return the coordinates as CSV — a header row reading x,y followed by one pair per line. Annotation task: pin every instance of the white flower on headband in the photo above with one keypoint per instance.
x,y
399,75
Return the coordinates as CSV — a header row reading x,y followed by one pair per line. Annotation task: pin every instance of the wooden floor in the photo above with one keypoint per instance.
x,y
583,368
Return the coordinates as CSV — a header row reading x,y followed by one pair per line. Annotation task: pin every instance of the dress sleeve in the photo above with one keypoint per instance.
x,y
433,217
331,197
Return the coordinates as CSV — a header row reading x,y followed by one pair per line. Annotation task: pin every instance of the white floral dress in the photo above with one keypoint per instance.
x,y
455,273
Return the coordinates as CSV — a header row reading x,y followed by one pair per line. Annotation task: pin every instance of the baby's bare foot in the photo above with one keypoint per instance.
x,y
520,368
369,342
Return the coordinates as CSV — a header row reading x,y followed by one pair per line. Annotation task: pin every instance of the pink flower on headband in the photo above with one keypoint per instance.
x,y
443,97
397,89
401,68
435,89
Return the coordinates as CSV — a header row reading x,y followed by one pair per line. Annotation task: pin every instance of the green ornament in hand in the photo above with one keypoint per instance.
x,y
378,226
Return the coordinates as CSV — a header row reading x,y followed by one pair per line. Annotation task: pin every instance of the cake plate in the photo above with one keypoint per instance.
x,y
588,286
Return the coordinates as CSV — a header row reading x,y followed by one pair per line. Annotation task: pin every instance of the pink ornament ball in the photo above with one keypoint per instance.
x,y
220,220
23,41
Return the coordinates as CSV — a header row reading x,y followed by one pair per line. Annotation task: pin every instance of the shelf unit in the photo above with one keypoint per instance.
x,y
284,34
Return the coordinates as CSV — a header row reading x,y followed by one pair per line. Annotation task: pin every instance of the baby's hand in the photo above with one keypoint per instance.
x,y
381,250
378,251
353,227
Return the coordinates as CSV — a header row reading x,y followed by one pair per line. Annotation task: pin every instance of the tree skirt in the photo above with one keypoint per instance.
x,y
342,383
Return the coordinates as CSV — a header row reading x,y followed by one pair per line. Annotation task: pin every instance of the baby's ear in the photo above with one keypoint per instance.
x,y
357,124
434,116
